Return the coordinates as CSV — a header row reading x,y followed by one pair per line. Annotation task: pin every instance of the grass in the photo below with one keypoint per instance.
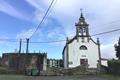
x,y
11,75
4,68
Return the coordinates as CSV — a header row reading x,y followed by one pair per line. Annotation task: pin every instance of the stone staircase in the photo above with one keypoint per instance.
x,y
52,71
79,70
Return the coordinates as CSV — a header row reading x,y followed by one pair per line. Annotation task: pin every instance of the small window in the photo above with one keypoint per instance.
x,y
83,47
84,29
80,30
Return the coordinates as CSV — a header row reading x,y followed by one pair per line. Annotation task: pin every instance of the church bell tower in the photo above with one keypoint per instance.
x,y
82,27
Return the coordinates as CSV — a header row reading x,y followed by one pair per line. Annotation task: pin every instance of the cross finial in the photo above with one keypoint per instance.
x,y
81,12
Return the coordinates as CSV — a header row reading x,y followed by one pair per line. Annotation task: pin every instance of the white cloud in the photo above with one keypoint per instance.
x,y
40,8
39,4
108,51
56,35
25,34
11,10
35,3
38,16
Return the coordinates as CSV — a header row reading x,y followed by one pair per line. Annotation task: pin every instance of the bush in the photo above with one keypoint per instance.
x,y
114,67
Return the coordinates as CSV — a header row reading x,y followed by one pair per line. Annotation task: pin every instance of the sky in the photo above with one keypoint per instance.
x,y
19,19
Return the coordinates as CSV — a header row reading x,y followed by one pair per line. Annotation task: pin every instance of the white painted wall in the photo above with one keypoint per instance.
x,y
75,54
104,63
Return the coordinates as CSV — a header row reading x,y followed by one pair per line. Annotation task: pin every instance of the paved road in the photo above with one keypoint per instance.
x,y
82,77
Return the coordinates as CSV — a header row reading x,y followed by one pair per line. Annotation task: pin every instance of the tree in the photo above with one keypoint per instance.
x,y
117,49
0,60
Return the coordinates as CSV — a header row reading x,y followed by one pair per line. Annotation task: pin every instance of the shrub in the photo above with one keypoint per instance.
x,y
114,67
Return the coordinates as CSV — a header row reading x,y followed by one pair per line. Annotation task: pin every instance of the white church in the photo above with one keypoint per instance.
x,y
81,49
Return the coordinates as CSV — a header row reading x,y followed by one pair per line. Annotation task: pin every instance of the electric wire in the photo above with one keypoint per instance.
x,y
42,19
106,32
102,33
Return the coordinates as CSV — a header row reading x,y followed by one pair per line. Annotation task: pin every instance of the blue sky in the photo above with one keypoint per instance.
x,y
19,18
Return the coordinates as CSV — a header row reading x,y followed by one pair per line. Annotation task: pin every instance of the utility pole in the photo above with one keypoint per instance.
x,y
18,56
20,45
27,48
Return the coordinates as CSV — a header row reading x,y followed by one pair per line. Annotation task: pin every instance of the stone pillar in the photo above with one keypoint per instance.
x,y
45,62
67,54
99,61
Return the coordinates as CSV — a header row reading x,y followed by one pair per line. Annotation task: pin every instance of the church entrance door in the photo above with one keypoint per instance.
x,y
84,62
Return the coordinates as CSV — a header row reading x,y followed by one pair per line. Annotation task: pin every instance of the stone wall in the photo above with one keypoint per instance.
x,y
22,61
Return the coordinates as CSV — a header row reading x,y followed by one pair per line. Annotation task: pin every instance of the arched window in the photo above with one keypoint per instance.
x,y
84,29
83,47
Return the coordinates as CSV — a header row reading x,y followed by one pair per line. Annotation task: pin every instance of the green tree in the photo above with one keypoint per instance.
x,y
0,60
117,49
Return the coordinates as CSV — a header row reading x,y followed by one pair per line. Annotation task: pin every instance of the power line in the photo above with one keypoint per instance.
x,y
42,19
106,32
91,35
11,40
55,41
50,41
7,39
108,23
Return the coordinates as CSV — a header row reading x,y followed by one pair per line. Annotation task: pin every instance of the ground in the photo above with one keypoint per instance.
x,y
80,77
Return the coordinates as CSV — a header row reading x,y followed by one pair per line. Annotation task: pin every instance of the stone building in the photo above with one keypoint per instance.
x,y
81,50
22,61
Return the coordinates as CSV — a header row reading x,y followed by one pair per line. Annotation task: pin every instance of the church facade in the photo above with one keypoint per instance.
x,y
81,49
